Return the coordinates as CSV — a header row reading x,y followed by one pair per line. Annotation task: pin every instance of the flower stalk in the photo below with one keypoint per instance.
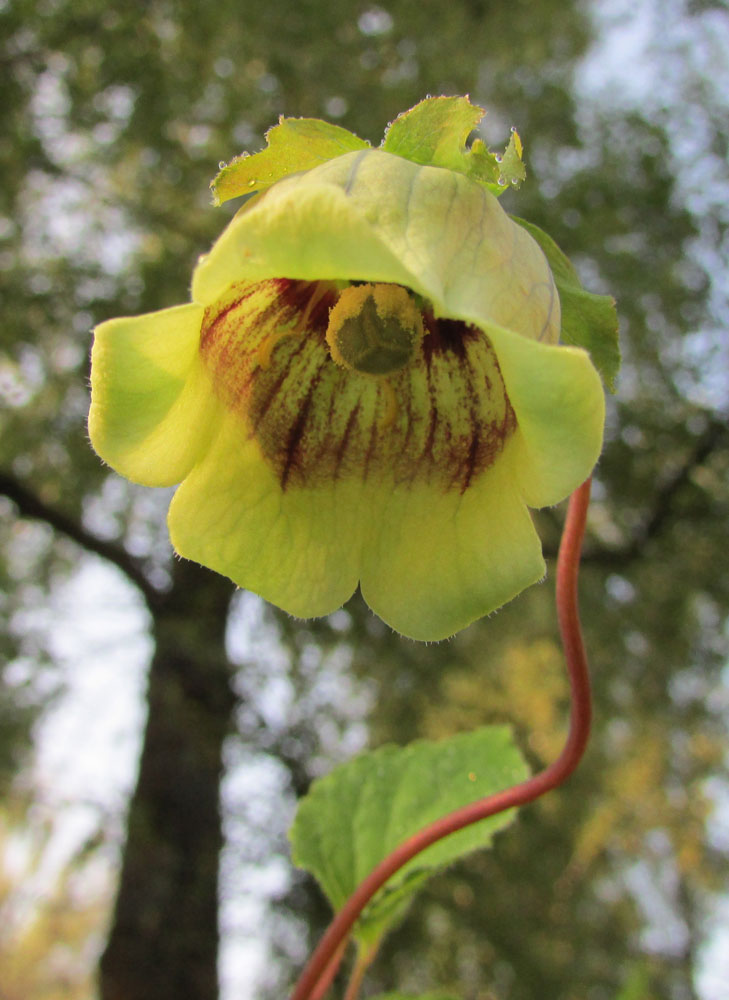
x,y
321,961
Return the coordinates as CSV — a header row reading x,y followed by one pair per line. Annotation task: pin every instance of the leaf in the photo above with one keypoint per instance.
x,y
588,320
434,133
358,814
294,144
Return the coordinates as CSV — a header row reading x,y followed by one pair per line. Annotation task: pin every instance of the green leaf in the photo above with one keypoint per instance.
x,y
294,144
358,814
434,133
588,320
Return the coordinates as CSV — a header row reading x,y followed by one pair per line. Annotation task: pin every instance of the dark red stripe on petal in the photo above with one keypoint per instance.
x,y
296,435
267,385
432,420
441,420
345,438
448,337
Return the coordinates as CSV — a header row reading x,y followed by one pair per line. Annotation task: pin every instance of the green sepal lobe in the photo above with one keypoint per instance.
x,y
434,133
589,321
295,144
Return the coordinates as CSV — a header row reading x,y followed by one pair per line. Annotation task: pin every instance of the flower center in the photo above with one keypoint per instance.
x,y
374,329
356,384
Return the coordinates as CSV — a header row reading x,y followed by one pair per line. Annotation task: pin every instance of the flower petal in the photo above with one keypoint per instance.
x,y
152,406
559,403
430,562
299,549
437,561
437,232
299,228
441,419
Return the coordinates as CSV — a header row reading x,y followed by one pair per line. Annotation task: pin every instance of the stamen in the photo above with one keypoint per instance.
x,y
265,348
322,287
267,345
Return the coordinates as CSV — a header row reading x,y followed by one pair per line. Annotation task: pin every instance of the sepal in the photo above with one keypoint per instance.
x,y
295,144
434,133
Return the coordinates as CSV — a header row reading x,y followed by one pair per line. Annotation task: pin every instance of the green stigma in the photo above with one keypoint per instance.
x,y
374,329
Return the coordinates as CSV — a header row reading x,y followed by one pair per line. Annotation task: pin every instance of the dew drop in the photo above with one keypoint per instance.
x,y
222,164
502,181
252,183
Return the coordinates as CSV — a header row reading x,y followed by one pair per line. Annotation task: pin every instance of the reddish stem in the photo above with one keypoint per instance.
x,y
568,563
327,977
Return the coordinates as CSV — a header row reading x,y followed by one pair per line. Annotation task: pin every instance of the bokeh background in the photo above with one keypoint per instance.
x,y
115,117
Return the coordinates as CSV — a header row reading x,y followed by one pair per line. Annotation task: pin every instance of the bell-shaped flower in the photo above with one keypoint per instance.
x,y
367,387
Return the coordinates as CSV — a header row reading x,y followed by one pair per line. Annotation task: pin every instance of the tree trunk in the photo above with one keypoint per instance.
x,y
163,943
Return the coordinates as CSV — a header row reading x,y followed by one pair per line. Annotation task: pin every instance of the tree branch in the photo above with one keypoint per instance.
x,y
31,506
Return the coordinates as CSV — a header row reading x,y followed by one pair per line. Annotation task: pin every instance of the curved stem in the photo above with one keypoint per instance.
x,y
527,791
327,977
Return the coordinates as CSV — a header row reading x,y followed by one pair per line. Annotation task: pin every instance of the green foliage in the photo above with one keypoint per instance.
x,y
637,986
353,818
588,320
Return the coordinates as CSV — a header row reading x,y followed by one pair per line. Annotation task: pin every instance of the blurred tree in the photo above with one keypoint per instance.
x,y
114,122
51,912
